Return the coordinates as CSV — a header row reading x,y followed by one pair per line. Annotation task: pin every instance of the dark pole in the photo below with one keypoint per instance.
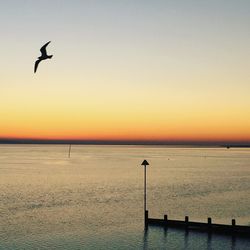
x,y
145,164
69,150
145,189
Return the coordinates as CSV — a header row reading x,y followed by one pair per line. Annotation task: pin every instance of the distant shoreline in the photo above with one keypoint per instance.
x,y
125,143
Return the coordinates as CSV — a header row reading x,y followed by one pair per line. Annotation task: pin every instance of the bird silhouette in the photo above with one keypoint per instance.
x,y
44,56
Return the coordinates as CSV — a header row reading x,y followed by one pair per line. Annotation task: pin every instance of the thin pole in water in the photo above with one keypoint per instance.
x,y
69,150
145,188
145,164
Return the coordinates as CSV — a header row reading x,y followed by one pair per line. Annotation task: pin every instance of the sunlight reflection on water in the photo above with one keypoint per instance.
x,y
93,200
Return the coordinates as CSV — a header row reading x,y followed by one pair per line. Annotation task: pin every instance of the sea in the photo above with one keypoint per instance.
x,y
94,198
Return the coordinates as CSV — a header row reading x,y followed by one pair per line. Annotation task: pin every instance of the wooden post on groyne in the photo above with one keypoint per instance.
x,y
209,227
146,219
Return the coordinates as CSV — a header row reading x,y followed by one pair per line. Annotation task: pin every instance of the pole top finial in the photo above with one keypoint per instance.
x,y
145,163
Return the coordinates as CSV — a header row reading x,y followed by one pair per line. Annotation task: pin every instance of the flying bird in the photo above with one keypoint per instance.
x,y
44,56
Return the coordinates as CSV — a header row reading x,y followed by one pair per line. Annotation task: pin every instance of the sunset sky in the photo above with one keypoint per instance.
x,y
126,70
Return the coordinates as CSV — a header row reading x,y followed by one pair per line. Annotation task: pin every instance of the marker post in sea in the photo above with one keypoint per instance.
x,y
145,164
69,150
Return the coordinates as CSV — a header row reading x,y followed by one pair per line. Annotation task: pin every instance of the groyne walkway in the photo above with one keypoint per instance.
x,y
208,226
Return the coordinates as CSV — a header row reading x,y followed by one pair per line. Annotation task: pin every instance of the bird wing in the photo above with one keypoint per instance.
x,y
43,49
36,65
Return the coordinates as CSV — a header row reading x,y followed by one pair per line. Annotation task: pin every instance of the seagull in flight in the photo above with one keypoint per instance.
x,y
44,56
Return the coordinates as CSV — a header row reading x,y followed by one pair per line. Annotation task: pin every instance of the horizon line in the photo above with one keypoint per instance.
x,y
127,142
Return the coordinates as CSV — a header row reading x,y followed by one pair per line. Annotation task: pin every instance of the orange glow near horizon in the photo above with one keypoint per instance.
x,y
98,119
140,133
115,119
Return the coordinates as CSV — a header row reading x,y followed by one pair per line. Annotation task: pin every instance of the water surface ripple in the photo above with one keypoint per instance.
x,y
94,200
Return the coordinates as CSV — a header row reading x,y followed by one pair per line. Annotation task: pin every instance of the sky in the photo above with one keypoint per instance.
x,y
126,70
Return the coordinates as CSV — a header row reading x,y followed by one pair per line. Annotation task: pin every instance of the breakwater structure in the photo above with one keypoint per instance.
x,y
209,227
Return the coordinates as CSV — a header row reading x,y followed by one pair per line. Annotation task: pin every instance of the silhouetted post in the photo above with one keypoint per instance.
x,y
233,225
146,219
233,222
69,150
165,223
209,223
165,217
186,221
145,164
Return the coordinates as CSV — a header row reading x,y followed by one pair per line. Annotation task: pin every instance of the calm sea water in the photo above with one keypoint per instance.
x,y
94,200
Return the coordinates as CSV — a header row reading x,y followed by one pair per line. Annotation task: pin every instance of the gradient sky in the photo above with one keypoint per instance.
x,y
126,70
